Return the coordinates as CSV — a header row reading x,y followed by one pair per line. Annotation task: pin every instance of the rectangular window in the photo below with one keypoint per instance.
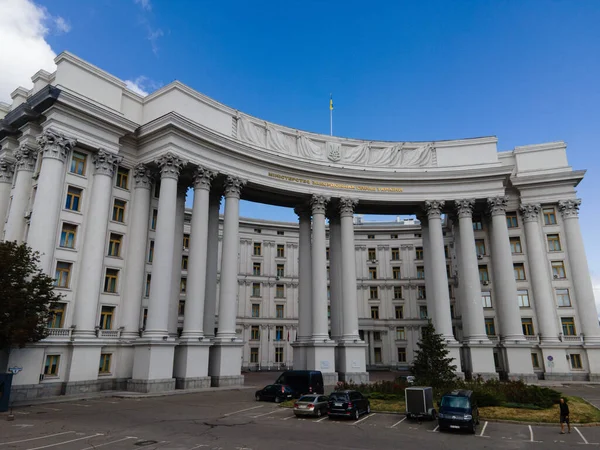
x,y
372,254
399,312
370,236
393,236
123,178
280,270
186,241
401,354
523,298
568,326
279,311
374,312
327,253
423,312
480,246
280,233
157,189
397,292
279,333
452,313
255,310
562,297
151,252
57,316
63,274
377,336
184,262
256,269
181,308
78,163
106,317
255,333
279,355
119,211
51,366
280,251
257,230
558,270
477,223
448,275
73,202
486,299
396,273
377,351
527,325
535,361
148,282
400,334
447,252
490,328
515,245
483,274
254,355
183,285
255,289
511,220
257,249
549,216
421,294
396,254
373,292
68,235
575,361
553,243
104,363
519,270
111,281
419,253
154,219
421,272
114,245
372,273
279,291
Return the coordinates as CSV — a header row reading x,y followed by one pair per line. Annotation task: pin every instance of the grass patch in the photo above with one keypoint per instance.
x,y
394,406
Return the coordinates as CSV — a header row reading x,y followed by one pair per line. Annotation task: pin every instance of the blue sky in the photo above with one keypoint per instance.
x,y
524,71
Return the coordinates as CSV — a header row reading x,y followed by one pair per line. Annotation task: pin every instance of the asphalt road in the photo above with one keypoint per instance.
x,y
233,420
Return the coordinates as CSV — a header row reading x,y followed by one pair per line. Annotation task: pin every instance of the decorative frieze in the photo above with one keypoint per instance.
x,y
530,212
203,177
55,145
170,165
569,209
433,208
7,170
497,205
464,207
105,163
234,186
142,177
318,204
26,158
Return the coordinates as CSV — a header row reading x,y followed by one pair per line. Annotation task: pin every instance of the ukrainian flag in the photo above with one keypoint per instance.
x,y
331,103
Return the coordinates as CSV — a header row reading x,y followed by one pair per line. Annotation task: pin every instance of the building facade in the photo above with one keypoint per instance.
x,y
157,297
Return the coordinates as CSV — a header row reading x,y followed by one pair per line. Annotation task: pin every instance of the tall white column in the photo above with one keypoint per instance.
x,y
136,252
7,169
55,148
304,332
335,276
319,269
176,266
429,294
212,256
92,258
582,283
26,158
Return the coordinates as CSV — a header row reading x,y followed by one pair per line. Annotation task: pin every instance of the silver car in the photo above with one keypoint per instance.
x,y
311,405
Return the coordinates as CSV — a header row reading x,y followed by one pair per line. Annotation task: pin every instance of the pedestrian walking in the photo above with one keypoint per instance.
x,y
564,416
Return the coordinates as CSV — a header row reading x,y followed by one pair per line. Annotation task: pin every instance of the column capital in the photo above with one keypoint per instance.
x,y
302,211
497,205
203,177
170,165
105,163
569,209
433,208
530,212
142,177
26,158
318,204
464,207
234,186
347,206
55,145
7,170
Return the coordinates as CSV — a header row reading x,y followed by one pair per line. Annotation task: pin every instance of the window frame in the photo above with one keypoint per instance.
x,y
527,326
553,242
105,359
486,300
254,355
255,310
74,196
58,310
107,314
82,160
400,309
255,333
490,326
523,294
279,290
52,360
398,292
520,269
373,290
575,361
280,251
560,296
568,324
512,220
559,271
279,311
256,288
480,247
68,235
396,275
115,244
549,214
119,209
58,271
514,242
395,254
400,333
112,278
257,249
401,353
419,253
374,312
371,254
122,174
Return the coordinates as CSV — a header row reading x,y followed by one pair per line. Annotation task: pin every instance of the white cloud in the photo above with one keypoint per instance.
x,y
153,36
23,28
142,85
145,4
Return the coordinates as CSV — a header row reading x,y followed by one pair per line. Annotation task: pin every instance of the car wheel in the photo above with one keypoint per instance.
x,y
319,413
277,399
473,428
368,409
257,398
356,414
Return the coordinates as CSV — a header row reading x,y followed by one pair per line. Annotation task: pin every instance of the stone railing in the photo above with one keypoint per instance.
x,y
59,332
533,338
111,334
572,338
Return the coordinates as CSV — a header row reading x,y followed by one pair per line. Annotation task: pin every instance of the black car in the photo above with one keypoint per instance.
x,y
302,381
348,404
458,410
275,392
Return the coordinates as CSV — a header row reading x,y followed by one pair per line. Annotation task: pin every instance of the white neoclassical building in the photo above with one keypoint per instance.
x,y
157,297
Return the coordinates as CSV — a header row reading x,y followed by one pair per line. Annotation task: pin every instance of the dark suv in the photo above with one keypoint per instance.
x,y
348,404
458,410
275,392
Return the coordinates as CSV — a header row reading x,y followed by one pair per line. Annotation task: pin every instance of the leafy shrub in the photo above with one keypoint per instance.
x,y
521,406
380,387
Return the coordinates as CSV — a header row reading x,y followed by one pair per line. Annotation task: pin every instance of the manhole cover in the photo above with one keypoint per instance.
x,y
144,443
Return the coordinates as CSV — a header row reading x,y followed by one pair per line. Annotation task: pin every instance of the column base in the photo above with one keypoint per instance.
x,y
517,361
480,360
225,363
524,377
192,383
151,386
85,357
191,360
153,360
321,356
454,349
351,359
558,376
299,355
228,380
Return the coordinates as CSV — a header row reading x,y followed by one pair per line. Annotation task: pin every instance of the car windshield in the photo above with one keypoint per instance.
x,y
338,396
453,403
307,398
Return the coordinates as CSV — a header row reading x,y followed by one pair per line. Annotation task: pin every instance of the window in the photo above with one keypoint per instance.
x,y
480,246
370,236
396,254
279,333
123,178
280,233
515,245
519,270
397,292
51,366
450,295
279,291
57,316
68,235
535,361
490,328
372,273
421,294
279,311
372,254
374,312
527,325
254,355
423,312
419,253
486,299
448,275
511,220
446,252
400,334
279,355
373,292
119,211
523,298
183,285
114,245
73,199
327,253
256,269
377,351
558,270
257,230
329,311
106,317
181,308
184,262
575,361
148,282
396,273
377,336
104,363
63,274
328,272
78,163
154,219
553,243
254,333
477,223
257,249
280,270
568,326
255,289
393,236
452,313
483,274
401,354
111,280
562,297
549,216
421,272
280,251
186,241
399,312
157,189
151,252
255,310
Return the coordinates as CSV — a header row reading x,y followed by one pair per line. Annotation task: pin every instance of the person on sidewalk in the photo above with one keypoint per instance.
x,y
564,416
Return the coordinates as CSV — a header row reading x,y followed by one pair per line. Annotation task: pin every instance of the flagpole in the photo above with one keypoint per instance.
x,y
330,114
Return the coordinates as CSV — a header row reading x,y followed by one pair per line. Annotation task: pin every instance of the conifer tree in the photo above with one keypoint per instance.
x,y
432,366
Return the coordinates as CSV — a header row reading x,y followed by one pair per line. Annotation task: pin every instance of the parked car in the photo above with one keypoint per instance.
x,y
302,381
458,410
275,392
348,404
311,405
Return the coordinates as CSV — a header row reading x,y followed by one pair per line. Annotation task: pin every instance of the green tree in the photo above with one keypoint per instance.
x,y
432,366
26,295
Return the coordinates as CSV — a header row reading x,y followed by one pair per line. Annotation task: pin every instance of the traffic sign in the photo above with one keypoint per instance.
x,y
550,358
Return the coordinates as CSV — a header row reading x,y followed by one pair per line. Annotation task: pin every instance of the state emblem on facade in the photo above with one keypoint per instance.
x,y
333,152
